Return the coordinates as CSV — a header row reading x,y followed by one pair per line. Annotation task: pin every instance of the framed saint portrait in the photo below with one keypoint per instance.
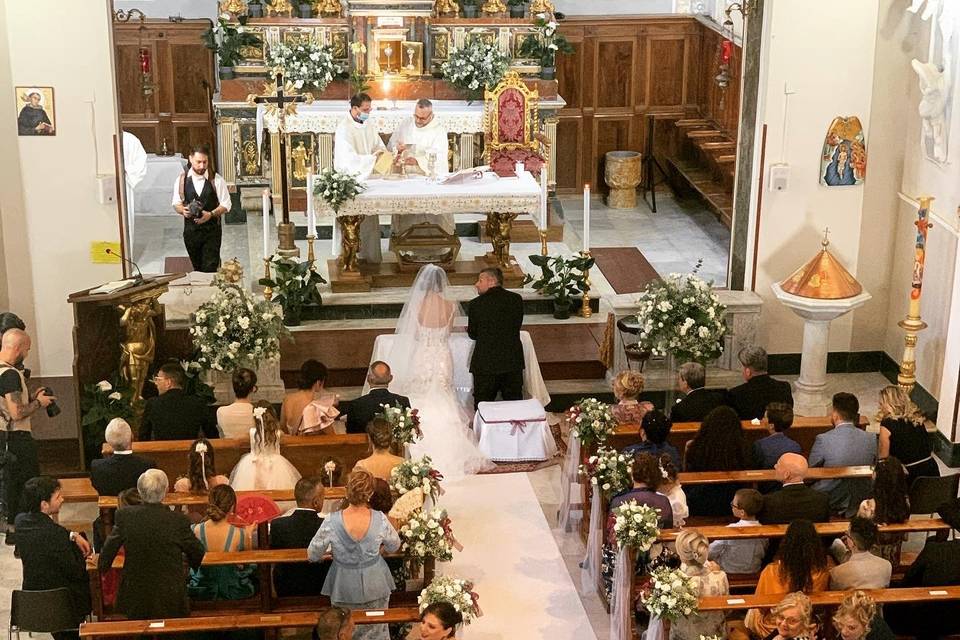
x,y
35,111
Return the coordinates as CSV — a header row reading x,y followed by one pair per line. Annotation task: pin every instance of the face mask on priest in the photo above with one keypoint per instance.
x,y
362,113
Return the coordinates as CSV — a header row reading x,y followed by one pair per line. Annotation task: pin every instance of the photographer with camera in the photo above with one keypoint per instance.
x,y
18,449
201,201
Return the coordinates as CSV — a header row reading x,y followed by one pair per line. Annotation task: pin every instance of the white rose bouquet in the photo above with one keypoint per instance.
x,y
591,421
669,594
608,470
411,474
234,329
428,534
635,525
304,65
406,423
683,316
475,66
457,592
337,188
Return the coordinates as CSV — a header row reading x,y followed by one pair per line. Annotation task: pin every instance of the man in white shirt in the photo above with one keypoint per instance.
x,y
201,201
356,147
426,139
742,556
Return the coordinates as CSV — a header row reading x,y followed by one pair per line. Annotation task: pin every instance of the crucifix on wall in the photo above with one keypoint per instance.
x,y
283,104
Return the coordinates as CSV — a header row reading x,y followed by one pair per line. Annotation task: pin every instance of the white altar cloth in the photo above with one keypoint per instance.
x,y
462,347
514,431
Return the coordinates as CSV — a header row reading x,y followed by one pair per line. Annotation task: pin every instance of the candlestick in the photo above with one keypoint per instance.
x,y
266,224
913,324
543,242
585,309
311,258
586,218
267,289
544,195
311,212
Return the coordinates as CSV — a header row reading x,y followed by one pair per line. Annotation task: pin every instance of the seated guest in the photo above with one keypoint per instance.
x,y
236,419
110,580
174,414
768,450
155,541
221,582
697,401
794,619
313,375
201,470
859,618
52,556
795,499
295,531
627,387
889,504
359,577
381,462
903,434
844,445
439,621
801,564
264,468
751,398
718,446
670,487
861,569
741,556
118,471
654,431
334,623
692,548
363,409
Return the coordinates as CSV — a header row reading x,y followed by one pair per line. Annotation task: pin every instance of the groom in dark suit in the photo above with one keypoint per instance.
x,y
363,409
494,321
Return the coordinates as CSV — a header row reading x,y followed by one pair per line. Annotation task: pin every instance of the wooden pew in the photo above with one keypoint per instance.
x,y
236,622
76,490
835,528
828,598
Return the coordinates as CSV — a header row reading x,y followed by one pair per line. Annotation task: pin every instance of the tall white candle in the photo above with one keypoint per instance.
x,y
543,198
311,214
586,217
266,224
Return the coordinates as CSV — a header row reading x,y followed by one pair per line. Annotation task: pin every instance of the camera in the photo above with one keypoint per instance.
x,y
52,409
196,209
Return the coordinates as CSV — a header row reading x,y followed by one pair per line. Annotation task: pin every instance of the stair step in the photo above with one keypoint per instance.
x,y
717,195
724,145
691,123
704,133
729,159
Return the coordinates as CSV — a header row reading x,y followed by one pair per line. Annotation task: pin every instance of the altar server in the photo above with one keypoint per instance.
x,y
356,146
425,136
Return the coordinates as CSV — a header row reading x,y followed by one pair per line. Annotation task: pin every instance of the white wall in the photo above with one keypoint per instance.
x,y
613,7
48,190
167,8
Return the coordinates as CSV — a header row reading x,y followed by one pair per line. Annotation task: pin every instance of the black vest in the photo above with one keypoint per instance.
x,y
208,198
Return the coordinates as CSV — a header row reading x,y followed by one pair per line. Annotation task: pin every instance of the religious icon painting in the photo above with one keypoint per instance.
x,y
35,111
844,159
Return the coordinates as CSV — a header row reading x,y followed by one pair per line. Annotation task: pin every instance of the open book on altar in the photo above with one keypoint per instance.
x,y
464,176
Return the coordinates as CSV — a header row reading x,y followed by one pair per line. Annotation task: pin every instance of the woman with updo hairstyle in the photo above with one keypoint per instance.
x,y
381,462
627,387
359,577
693,548
216,533
857,619
439,621
201,470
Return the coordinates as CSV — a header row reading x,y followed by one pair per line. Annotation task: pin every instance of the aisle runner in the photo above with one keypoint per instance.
x,y
509,552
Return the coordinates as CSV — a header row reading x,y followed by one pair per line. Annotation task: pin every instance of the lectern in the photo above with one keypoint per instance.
x,y
116,332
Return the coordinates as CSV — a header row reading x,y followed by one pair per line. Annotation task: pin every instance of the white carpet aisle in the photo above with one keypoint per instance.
x,y
510,554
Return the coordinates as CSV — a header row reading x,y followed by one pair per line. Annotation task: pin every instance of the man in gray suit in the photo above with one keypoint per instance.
x,y
843,446
862,570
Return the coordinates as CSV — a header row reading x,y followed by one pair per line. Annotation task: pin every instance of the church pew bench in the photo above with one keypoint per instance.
x,y
831,598
76,490
264,600
835,528
206,623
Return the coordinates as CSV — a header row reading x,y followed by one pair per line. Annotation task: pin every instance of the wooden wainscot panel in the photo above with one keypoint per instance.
x,y
667,73
570,74
614,64
569,163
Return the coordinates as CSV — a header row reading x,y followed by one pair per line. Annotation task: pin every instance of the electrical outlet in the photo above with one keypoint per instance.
x,y
107,189
779,177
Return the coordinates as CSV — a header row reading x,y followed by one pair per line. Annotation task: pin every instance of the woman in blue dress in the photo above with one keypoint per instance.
x,y
840,170
359,577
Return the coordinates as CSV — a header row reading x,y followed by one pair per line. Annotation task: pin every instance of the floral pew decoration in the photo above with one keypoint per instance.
x,y
456,591
635,528
669,595
406,424
609,474
591,422
428,534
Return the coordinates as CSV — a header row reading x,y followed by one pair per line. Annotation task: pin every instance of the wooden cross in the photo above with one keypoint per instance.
x,y
283,104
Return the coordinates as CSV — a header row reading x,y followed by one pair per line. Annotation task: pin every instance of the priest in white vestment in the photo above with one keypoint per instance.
x,y
356,146
134,169
427,137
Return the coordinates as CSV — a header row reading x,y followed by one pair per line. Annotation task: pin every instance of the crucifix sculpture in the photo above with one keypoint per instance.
x,y
283,104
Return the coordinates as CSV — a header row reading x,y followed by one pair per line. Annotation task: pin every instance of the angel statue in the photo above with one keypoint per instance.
x,y
935,92
447,7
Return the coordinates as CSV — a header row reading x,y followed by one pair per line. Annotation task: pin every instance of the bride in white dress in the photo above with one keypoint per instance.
x,y
422,367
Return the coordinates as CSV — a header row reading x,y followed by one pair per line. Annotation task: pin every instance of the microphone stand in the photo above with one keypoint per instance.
x,y
138,279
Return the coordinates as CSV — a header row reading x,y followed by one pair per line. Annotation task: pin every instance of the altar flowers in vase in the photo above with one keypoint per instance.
x,y
337,187
305,65
458,592
474,67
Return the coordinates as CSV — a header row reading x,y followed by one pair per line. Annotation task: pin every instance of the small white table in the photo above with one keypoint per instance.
x,y
514,431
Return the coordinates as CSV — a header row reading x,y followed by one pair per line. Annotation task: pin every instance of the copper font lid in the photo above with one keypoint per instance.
x,y
823,278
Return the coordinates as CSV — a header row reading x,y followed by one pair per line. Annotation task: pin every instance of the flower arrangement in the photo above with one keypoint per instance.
x,y
475,66
294,285
545,42
99,404
681,315
635,525
669,594
591,421
608,470
233,329
406,423
303,65
227,41
428,534
358,79
410,474
337,188
457,592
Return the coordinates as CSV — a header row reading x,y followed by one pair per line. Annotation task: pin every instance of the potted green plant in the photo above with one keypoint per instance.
x,y
471,8
294,285
544,45
227,41
517,8
99,404
254,9
560,277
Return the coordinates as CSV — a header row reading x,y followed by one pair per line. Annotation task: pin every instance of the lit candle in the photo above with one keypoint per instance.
x,y
266,224
543,198
311,214
586,217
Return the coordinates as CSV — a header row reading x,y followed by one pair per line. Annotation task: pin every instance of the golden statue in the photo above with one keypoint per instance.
x,y
350,243
498,228
250,166
280,8
330,9
447,7
493,6
140,342
234,7
541,6
302,160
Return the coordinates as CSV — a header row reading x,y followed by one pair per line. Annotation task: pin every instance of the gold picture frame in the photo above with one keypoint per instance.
x,y
411,55
36,113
